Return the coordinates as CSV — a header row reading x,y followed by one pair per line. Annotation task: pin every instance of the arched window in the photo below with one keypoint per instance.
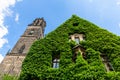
x,y
21,49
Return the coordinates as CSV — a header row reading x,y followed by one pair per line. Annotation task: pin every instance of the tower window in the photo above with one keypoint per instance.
x,y
21,49
77,40
56,63
31,32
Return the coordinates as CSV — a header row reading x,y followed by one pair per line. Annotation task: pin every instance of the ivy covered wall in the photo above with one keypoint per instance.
x,y
38,63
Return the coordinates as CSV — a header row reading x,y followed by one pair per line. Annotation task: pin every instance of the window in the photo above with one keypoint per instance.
x,y
75,24
56,63
77,40
55,60
31,32
21,49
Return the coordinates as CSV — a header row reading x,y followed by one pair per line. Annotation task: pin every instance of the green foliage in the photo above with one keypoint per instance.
x,y
113,76
38,63
8,77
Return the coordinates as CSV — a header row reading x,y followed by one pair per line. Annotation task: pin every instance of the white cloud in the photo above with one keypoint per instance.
x,y
17,17
19,0
118,2
5,11
119,25
1,58
3,41
90,0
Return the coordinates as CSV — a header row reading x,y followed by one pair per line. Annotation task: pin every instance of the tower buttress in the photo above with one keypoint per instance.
x,y
12,62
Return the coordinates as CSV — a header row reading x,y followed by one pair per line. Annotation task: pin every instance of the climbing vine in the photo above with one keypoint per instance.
x,y
38,62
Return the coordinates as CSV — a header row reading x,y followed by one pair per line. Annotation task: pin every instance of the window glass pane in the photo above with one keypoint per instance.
x,y
56,63
77,40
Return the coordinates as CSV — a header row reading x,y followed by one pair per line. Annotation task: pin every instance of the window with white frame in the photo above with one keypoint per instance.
x,y
77,37
77,40
56,63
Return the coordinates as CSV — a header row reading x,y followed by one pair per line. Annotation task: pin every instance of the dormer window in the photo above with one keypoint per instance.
x,y
78,49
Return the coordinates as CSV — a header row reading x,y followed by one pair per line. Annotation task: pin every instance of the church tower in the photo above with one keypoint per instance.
x,y
12,62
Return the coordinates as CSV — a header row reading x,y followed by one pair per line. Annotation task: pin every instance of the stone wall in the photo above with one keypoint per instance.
x,y
27,41
12,64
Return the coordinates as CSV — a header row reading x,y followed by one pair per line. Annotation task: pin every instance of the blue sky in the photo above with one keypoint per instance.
x,y
15,15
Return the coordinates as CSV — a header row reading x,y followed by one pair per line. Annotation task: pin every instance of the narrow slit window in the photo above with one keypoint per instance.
x,y
21,49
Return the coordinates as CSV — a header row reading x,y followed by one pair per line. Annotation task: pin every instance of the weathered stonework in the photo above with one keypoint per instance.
x,y
80,36
12,62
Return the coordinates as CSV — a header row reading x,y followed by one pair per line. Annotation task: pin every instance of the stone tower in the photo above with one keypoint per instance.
x,y
12,62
